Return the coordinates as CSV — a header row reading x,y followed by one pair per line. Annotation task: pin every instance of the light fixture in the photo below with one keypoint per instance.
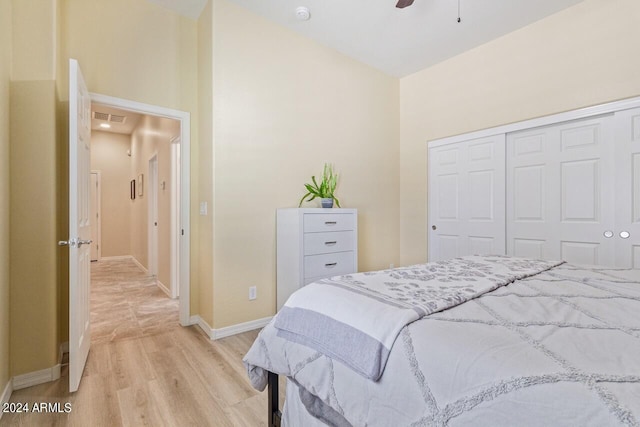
x,y
105,125
302,13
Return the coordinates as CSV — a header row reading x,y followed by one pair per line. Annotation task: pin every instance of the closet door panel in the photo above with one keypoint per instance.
x,y
587,190
446,188
531,170
560,192
466,194
627,201
485,196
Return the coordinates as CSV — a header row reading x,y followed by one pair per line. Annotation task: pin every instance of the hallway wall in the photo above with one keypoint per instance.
x,y
152,136
109,156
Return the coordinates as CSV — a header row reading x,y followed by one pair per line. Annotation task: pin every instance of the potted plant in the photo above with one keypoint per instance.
x,y
324,190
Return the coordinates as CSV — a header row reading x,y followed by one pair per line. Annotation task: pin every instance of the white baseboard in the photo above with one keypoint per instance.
x,y
163,288
42,376
142,267
130,257
216,334
38,377
6,395
115,258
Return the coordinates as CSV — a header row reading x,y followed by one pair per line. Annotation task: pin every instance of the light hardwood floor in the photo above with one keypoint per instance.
x,y
146,370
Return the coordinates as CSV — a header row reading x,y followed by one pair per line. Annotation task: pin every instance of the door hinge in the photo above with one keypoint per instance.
x,y
183,231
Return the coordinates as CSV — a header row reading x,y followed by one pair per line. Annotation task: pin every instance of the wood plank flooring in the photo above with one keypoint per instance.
x,y
144,369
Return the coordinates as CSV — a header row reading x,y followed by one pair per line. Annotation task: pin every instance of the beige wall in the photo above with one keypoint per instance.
x,y
203,187
582,56
34,204
109,157
34,216
5,77
283,106
152,136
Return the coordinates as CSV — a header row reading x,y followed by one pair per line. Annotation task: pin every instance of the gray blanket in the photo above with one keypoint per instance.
x,y
356,318
558,348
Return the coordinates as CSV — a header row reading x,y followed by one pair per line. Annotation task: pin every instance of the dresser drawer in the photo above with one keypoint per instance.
x,y
323,243
328,222
326,265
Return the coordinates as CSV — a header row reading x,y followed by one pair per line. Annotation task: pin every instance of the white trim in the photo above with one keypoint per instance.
x,y
142,267
37,377
185,183
152,214
163,288
216,334
175,218
127,257
581,113
116,257
6,394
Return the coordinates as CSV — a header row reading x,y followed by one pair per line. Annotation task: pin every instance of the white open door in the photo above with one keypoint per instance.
x,y
79,223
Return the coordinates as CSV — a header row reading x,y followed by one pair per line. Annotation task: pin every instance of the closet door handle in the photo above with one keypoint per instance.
x,y
330,243
625,234
608,234
331,264
330,222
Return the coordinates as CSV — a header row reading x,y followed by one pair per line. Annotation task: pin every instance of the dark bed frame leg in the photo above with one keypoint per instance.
x,y
274,413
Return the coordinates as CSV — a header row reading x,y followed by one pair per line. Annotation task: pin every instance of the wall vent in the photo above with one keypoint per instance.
x,y
113,118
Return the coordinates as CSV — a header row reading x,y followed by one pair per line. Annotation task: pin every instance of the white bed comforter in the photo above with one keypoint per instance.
x,y
558,348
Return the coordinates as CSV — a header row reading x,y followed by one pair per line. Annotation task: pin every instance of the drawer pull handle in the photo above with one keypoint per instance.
x,y
330,222
331,264
330,243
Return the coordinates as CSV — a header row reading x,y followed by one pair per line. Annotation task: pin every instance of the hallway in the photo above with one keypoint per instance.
x,y
145,369
127,303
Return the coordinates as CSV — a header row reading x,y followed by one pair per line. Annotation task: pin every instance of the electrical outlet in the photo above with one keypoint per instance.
x,y
253,293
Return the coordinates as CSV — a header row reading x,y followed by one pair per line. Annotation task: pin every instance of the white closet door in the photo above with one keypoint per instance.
x,y
627,205
466,202
560,198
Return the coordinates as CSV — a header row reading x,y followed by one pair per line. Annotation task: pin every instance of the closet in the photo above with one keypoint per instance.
x,y
560,187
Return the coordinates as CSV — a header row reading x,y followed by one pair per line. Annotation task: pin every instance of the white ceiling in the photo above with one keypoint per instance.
x,y
400,41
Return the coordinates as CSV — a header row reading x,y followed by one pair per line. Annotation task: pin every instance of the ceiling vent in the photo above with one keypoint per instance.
x,y
117,119
113,118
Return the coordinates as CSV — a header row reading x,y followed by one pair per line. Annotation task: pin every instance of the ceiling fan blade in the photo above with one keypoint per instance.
x,y
404,3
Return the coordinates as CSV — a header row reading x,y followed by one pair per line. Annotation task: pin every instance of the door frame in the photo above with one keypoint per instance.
x,y
152,217
180,243
175,217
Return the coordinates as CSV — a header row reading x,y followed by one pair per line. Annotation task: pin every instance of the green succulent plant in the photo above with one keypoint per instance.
x,y
325,189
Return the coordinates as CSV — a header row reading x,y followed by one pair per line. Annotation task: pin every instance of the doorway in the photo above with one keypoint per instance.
x,y
180,227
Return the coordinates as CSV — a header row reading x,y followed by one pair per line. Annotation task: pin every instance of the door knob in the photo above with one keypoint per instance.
x,y
433,227
74,242
84,242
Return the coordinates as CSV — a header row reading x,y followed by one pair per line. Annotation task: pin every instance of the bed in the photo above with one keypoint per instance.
x,y
480,341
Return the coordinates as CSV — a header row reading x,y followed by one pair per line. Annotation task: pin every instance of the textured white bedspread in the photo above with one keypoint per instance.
x,y
560,348
355,319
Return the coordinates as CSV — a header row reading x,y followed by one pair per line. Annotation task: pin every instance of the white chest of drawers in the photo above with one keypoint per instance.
x,y
313,244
